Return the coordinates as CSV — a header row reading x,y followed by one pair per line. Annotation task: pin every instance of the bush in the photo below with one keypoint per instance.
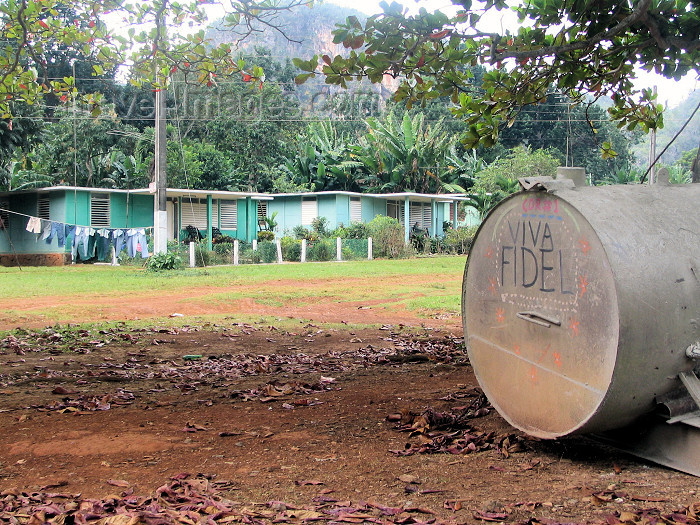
x,y
357,230
354,249
300,232
319,225
249,256
164,261
267,251
202,256
458,240
266,235
291,249
387,237
323,250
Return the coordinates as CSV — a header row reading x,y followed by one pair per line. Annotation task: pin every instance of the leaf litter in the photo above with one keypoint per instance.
x,y
201,499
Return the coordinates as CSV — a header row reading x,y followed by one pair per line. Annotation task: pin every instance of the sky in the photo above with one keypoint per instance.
x,y
670,92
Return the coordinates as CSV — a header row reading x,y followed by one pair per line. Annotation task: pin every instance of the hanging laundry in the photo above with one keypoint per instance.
x,y
58,230
45,229
34,225
70,229
103,244
119,240
81,240
137,242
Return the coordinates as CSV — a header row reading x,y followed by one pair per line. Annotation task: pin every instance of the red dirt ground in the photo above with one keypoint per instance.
x,y
105,411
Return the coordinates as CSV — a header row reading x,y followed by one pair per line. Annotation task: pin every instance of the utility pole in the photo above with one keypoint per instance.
x,y
160,214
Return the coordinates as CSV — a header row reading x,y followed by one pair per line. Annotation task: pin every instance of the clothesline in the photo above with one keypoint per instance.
x,y
3,210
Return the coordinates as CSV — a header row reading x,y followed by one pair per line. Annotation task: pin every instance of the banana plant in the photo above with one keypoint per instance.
x,y
405,155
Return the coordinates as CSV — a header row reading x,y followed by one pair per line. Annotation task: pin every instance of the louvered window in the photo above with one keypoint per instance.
x,y
194,213
262,209
309,210
427,216
229,215
99,210
355,209
5,214
43,208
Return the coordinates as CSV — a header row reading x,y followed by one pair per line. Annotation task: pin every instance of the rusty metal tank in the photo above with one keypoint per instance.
x,y
581,306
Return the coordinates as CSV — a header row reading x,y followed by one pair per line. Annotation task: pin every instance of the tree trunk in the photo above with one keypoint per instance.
x,y
695,168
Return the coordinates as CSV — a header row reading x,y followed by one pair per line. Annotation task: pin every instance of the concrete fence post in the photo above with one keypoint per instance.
x,y
338,249
369,248
279,251
255,245
236,247
303,251
192,261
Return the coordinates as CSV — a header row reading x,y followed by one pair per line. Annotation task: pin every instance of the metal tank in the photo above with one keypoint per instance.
x,y
581,305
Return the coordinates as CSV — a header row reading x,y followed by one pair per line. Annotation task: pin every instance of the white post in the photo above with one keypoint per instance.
x,y
114,257
338,249
279,251
303,251
235,252
255,245
192,261
369,248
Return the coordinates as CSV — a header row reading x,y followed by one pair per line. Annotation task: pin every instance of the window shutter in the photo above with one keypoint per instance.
x,y
355,209
427,216
99,210
309,210
5,213
194,213
262,209
43,208
229,215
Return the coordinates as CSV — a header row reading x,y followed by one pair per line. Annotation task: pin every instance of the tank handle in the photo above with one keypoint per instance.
x,y
539,318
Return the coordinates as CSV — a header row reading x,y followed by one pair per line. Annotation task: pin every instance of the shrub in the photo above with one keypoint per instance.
x,y
458,240
249,256
319,225
291,249
267,251
223,239
357,230
300,232
266,235
354,249
323,250
388,237
202,256
164,261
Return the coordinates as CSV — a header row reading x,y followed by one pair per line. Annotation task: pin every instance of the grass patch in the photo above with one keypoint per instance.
x,y
90,279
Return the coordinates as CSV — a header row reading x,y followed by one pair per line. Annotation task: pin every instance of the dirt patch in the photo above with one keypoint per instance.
x,y
321,300
295,415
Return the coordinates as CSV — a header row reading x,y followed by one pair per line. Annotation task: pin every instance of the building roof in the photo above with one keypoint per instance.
x,y
170,192
426,197
233,195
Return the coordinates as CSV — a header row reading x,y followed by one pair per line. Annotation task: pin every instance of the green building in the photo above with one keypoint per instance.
x,y
102,218
108,211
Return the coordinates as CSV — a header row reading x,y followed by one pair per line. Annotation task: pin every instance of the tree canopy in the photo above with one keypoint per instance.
x,y
584,50
111,33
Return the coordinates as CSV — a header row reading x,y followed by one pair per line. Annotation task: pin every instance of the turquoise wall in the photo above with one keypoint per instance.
x,y
288,213
371,207
327,208
22,240
342,210
140,211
